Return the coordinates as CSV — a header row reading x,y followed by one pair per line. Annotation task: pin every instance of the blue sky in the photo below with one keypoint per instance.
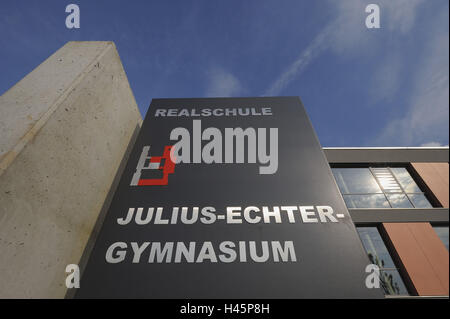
x,y
361,87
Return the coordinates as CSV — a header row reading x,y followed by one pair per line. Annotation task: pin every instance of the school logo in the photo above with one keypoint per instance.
x,y
162,163
197,146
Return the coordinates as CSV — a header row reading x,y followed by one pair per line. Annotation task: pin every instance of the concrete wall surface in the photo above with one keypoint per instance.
x,y
64,130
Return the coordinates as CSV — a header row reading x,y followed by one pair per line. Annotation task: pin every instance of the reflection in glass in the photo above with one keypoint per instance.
x,y
355,181
405,180
366,201
386,180
399,201
419,201
379,187
442,232
374,245
391,281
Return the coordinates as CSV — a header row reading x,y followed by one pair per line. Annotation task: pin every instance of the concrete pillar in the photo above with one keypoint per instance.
x,y
64,130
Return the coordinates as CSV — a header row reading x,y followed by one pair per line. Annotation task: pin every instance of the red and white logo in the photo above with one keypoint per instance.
x,y
146,161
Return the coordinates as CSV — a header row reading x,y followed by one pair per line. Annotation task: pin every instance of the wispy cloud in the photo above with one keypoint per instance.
x,y
303,60
401,14
222,84
433,144
426,119
346,34
387,78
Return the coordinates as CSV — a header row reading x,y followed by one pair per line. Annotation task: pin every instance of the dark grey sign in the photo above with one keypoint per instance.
x,y
227,198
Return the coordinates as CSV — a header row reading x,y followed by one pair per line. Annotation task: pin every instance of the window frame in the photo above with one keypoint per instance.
x,y
426,192
394,256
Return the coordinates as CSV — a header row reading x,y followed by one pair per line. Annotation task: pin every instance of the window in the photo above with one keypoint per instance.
x,y
379,187
442,232
390,279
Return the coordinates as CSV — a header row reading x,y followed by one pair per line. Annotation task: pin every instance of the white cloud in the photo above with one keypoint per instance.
x,y
302,61
349,32
387,78
427,116
401,14
347,35
433,144
222,84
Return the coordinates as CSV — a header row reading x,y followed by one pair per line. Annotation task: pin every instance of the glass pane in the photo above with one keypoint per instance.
x,y
399,201
375,248
442,232
419,201
405,179
386,180
392,283
355,181
366,201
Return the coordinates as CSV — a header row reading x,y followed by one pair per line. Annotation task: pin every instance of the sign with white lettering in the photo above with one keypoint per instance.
x,y
227,198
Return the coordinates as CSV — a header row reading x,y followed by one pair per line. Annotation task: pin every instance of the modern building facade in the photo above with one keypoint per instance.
x,y
64,152
398,199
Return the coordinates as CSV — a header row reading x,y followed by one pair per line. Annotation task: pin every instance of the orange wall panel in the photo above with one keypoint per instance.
x,y
423,255
435,175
